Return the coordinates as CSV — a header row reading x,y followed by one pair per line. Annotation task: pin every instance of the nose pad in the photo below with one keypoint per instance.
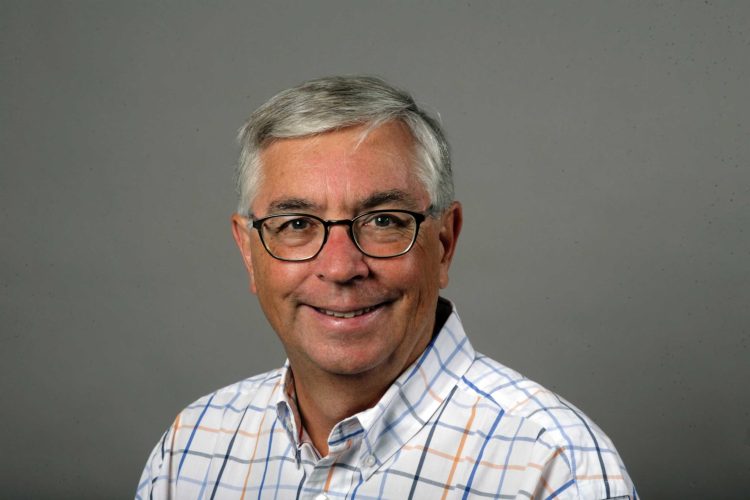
x,y
345,238
340,260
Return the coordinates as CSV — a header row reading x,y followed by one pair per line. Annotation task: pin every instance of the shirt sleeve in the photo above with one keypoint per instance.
x,y
154,482
570,474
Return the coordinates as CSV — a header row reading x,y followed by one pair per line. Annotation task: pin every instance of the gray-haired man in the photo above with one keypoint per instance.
x,y
347,226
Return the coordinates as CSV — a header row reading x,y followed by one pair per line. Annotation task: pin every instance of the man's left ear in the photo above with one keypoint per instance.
x,y
450,227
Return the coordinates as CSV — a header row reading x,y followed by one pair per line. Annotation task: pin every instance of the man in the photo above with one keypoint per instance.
x,y
347,226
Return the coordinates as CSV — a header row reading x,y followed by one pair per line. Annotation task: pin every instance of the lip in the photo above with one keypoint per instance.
x,y
355,317
352,313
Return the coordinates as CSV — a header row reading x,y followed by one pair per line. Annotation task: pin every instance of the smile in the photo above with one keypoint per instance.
x,y
349,314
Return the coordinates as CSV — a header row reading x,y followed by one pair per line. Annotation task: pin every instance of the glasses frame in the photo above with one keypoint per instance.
x,y
349,223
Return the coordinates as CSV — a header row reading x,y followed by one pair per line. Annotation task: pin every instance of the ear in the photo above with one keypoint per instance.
x,y
243,237
450,227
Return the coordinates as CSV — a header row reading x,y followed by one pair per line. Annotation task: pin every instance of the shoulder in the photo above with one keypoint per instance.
x,y
561,432
517,395
211,418
239,394
223,406
207,424
498,389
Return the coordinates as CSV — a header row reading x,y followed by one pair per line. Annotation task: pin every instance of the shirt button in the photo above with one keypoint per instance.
x,y
369,461
321,496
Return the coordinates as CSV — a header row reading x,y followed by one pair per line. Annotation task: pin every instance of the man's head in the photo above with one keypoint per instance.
x,y
351,150
332,103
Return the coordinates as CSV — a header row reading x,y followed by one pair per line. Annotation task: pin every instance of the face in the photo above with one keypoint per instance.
x,y
343,313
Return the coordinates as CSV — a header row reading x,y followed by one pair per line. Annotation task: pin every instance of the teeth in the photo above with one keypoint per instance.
x,y
349,314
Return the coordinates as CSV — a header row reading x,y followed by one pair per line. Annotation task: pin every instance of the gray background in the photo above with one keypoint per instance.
x,y
601,152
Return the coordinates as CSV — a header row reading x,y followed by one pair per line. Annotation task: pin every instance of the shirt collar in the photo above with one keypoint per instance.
x,y
418,393
407,404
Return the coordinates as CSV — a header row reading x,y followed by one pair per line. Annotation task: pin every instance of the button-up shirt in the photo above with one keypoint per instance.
x,y
455,424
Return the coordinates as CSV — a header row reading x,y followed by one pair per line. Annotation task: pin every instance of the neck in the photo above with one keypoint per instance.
x,y
323,404
324,399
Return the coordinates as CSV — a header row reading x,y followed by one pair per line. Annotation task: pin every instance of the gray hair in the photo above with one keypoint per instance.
x,y
331,103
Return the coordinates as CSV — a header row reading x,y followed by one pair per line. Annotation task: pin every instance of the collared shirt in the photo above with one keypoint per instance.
x,y
455,424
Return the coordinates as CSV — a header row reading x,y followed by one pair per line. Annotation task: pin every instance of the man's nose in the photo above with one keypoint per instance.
x,y
340,260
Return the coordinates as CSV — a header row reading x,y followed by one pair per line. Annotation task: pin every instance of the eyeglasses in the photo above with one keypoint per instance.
x,y
380,233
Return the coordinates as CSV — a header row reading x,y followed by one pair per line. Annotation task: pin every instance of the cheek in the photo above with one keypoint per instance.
x,y
426,269
418,276
275,280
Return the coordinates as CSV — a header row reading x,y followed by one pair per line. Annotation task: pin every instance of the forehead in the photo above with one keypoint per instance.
x,y
341,170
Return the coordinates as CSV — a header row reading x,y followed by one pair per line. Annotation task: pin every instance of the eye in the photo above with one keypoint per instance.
x,y
292,224
298,224
383,220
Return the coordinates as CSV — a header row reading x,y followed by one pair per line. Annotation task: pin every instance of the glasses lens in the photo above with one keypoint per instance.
x,y
293,237
385,234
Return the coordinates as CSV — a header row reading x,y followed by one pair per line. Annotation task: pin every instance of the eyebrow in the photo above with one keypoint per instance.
x,y
371,202
287,204
384,197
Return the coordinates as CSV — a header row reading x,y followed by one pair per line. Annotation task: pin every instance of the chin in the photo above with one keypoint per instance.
x,y
352,363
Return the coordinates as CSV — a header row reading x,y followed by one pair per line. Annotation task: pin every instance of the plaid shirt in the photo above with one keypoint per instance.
x,y
455,424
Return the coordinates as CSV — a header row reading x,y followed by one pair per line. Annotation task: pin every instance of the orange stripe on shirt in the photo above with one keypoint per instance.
x,y
546,485
328,479
471,461
427,386
255,448
502,466
456,458
175,426
229,431
598,477
526,400
419,447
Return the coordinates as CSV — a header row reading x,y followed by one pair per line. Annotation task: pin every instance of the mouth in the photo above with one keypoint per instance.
x,y
347,314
